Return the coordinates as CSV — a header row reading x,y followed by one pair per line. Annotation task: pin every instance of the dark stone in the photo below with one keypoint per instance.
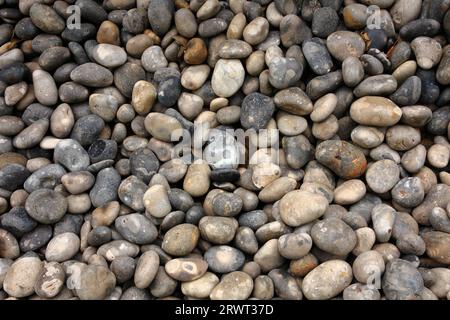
x,y
256,111
13,73
69,223
169,91
225,175
12,176
102,150
17,221
36,239
144,164
87,129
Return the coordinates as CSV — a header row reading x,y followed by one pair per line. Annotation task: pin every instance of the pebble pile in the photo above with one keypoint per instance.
x,y
347,196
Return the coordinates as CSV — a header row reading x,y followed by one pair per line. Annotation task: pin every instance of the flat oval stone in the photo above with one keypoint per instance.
x,y
409,92
379,85
349,192
293,215
36,238
160,13
62,247
92,75
105,187
72,155
437,246
284,72
293,100
17,221
21,276
327,280
234,49
236,285
317,56
375,111
13,176
9,247
31,135
146,269
50,280
343,44
200,288
95,283
334,236
256,111
401,280
343,158
162,126
46,206
131,192
118,248
181,239
402,138
294,245
109,55
46,19
256,31
227,77
45,88
156,201
136,228
224,259
186,269
218,230
382,175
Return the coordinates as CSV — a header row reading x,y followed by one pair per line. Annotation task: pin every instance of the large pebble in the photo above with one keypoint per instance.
x,y
327,280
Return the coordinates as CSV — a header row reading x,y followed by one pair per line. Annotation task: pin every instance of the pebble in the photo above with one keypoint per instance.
x,y
294,215
382,176
92,75
109,55
46,206
200,288
284,72
294,245
218,230
349,192
136,228
256,111
50,280
364,109
146,269
327,280
181,240
224,259
334,236
10,248
22,276
95,282
401,280
343,158
408,192
344,44
186,269
235,285
31,135
62,247
227,77
162,126
324,22
293,100
71,155
256,31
